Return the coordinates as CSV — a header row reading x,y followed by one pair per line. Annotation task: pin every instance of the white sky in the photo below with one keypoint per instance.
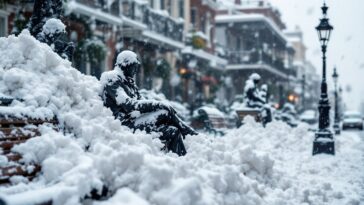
x,y
346,47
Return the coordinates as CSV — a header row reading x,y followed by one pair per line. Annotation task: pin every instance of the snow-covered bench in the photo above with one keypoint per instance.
x,y
14,131
210,119
255,113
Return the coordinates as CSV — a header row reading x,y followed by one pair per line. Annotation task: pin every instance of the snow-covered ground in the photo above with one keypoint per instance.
x,y
250,165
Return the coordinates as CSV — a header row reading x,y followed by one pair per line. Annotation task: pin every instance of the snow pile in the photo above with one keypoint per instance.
x,y
251,165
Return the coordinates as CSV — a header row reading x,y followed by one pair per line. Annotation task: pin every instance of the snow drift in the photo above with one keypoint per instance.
x,y
248,166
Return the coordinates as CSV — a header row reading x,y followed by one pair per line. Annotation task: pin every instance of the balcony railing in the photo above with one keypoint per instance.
x,y
254,58
156,21
163,24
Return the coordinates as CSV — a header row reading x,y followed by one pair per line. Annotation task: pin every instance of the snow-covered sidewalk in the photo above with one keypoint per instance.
x,y
307,179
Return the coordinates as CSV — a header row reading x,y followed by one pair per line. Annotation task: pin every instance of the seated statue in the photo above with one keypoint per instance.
x,y
121,95
252,95
264,92
255,98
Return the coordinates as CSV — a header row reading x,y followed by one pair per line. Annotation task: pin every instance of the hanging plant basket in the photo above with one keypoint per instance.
x,y
198,42
96,50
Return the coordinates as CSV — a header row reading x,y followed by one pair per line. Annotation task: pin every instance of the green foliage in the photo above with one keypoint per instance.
x,y
198,42
148,64
19,23
162,69
91,50
96,51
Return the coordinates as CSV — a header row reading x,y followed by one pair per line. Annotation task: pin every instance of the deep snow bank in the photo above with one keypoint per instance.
x,y
248,166
116,158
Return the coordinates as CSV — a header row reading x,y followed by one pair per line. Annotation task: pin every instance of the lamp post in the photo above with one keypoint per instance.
x,y
324,141
303,92
335,76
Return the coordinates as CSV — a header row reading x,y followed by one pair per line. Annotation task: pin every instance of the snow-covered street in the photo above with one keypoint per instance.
x,y
250,165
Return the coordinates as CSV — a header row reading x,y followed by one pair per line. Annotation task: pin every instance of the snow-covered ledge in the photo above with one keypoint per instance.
x,y
257,66
163,39
243,18
216,62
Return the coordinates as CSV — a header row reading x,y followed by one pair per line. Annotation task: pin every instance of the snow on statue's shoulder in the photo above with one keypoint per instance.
x,y
127,58
111,76
248,85
54,26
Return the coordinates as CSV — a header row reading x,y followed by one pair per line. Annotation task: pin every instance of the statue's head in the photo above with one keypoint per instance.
x,y
128,62
255,77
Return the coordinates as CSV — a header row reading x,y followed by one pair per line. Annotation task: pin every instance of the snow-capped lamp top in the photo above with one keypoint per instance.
x,y
126,58
53,26
254,76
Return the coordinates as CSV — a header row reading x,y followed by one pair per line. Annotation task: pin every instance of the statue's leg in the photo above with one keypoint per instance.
x,y
172,119
171,136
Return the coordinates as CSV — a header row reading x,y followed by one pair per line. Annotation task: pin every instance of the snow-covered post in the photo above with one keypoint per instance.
x,y
46,27
337,129
324,140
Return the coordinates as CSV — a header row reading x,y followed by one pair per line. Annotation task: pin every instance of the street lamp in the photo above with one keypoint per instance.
x,y
324,141
335,76
303,91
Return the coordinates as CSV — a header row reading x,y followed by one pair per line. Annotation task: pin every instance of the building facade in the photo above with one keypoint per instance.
x,y
196,51
251,33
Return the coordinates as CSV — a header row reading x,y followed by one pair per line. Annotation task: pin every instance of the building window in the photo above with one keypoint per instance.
x,y
3,26
193,16
163,5
238,44
169,7
181,8
125,8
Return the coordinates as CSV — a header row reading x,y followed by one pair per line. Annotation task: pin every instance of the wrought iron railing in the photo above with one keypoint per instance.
x,y
256,57
156,21
163,24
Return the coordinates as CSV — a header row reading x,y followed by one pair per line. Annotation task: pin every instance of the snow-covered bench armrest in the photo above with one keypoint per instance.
x,y
256,113
210,121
